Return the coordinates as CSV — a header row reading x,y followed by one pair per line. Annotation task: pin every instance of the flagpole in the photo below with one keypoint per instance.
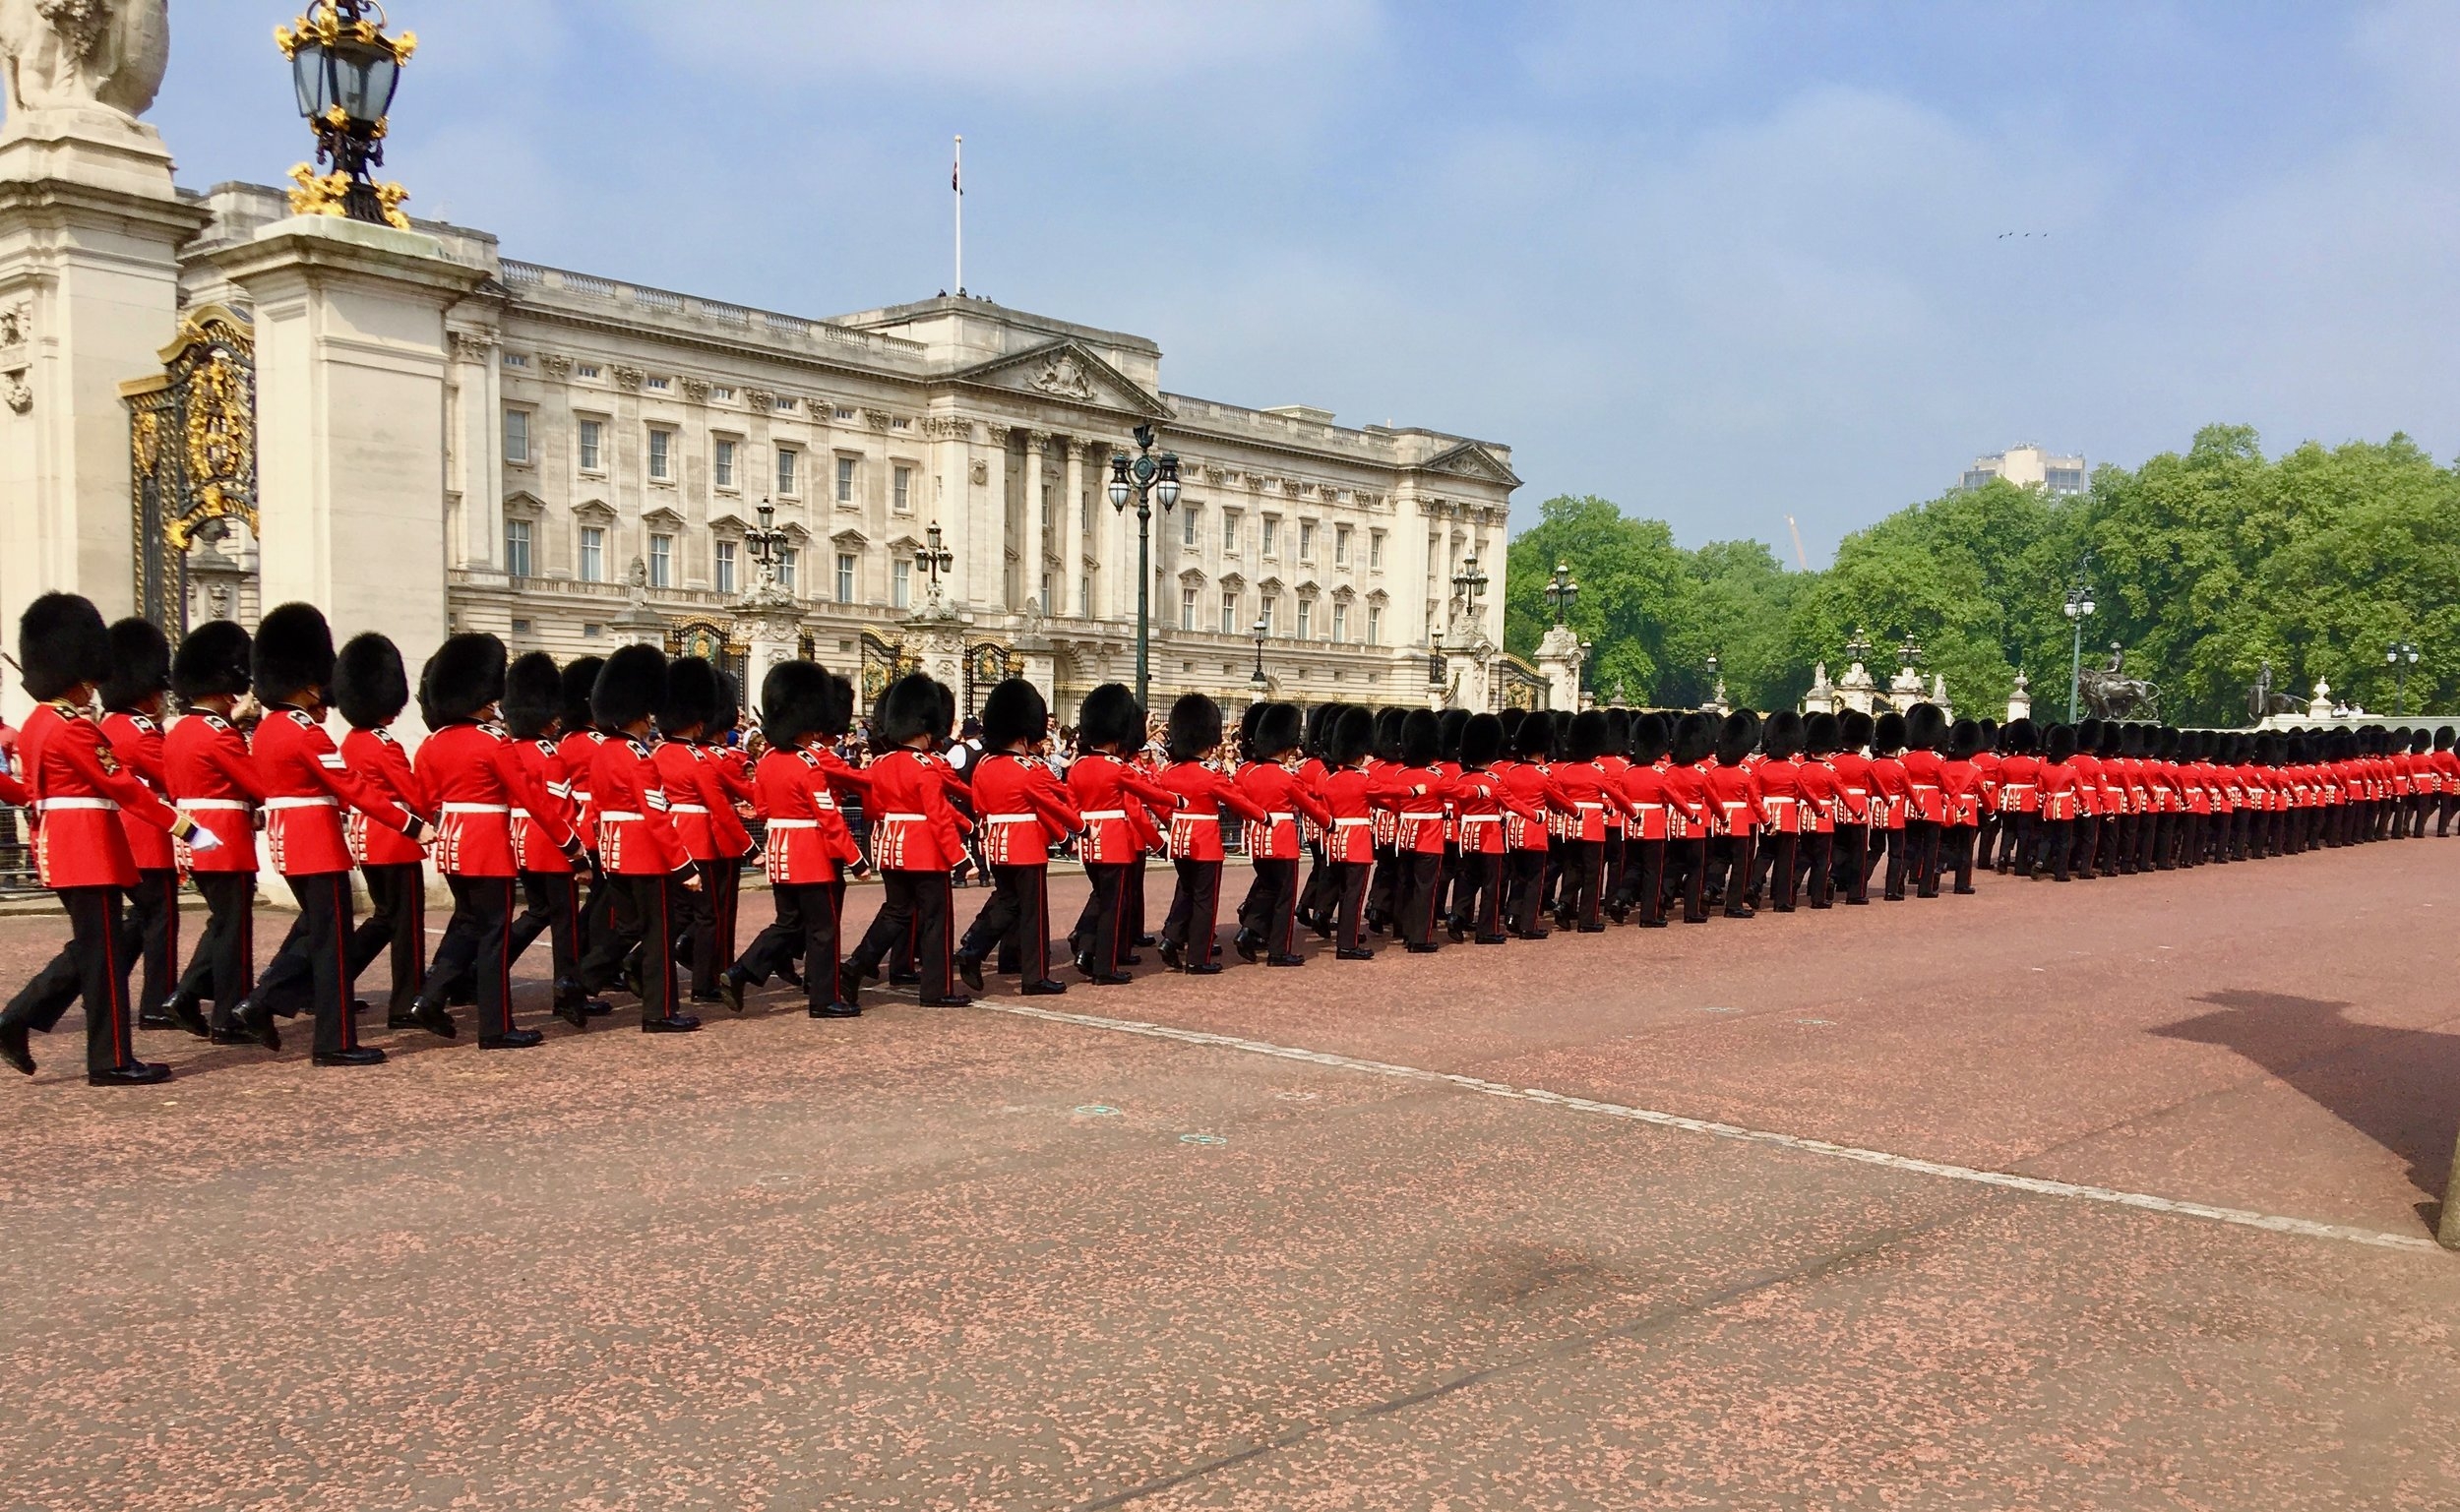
x,y
957,182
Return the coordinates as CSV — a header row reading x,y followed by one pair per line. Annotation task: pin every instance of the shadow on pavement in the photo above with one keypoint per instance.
x,y
2398,1087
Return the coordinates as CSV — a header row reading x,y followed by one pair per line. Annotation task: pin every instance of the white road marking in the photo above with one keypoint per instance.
x,y
2036,1185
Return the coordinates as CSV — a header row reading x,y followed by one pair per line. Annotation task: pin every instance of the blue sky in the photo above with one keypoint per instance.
x,y
1719,264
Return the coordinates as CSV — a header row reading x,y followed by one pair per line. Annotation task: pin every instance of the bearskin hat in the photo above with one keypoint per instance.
x,y
2060,743
141,663
1247,720
2443,738
691,699
1736,737
1320,722
2267,749
2112,734
294,654
1277,732
2016,737
1353,736
1014,712
1387,742
1481,742
1195,726
1535,739
1584,738
1421,737
1449,725
212,662
911,706
2088,735
1110,717
370,688
1821,734
1964,740
1989,733
1619,731
534,692
580,677
2420,741
729,704
1925,727
1783,738
62,641
631,684
1652,736
464,677
1888,734
1695,738
794,702
1510,720
1856,728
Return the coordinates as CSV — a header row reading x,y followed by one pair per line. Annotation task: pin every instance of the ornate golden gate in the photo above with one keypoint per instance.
x,y
192,454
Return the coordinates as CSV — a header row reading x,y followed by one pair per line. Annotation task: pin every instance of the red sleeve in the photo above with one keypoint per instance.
x,y
529,787
351,788
1304,802
1511,803
1054,802
230,759
1238,803
13,792
83,749
1151,792
406,779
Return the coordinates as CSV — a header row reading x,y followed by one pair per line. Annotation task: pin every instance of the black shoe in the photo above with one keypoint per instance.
x,y
1348,953
629,978
1145,939
357,1054
1108,978
511,1039
790,974
1205,969
229,1034
1285,960
1857,902
836,1010
1591,929
731,988
970,967
406,1019
154,1018
187,1014
575,1012
1458,929
13,1050
1132,958
673,1023
1652,924
956,1000
1172,958
849,985
434,1019
905,979
1491,939
1048,987
1965,892
137,1073
1249,945
1429,948
256,1020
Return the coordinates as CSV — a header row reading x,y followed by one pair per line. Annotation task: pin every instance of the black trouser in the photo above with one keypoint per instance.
x,y
552,907
1583,864
914,908
1132,929
594,913
1985,839
1818,867
1922,845
1552,887
1644,879
1478,895
1959,841
1322,893
2057,841
1100,934
1526,871
1686,873
223,965
1852,849
315,961
697,927
1898,852
1385,883
1271,908
1422,880
1350,904
1195,911
477,944
397,917
643,908
1616,890
2449,806
1740,848
1781,852
93,966
806,927
152,921
1016,919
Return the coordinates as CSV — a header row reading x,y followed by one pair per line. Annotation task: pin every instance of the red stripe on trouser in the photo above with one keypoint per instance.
x,y
504,962
1042,927
342,964
1434,890
1212,914
112,982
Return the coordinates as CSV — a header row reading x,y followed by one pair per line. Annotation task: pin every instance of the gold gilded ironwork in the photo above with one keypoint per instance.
x,y
323,24
192,452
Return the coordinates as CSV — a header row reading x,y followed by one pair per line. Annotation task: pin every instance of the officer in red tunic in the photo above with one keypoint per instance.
x,y
646,870
1023,809
1736,814
1269,914
550,880
370,690
1926,809
578,747
1200,791
207,772
1484,804
726,787
916,837
1686,812
79,791
308,784
132,721
1319,897
1816,817
1854,810
1351,792
797,785
1780,780
1891,795
1960,786
1110,796
2061,803
692,695
1589,786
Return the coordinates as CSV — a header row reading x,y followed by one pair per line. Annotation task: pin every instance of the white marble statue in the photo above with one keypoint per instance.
x,y
79,54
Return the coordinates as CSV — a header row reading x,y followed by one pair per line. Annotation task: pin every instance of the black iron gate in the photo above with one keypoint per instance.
x,y
192,454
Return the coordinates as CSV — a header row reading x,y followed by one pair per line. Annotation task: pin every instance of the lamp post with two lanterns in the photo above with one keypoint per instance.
x,y
2079,608
1148,480
2401,656
1257,682
344,70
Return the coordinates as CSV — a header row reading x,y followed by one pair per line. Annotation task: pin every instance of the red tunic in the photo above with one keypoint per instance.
x,y
1023,808
795,792
726,781
913,826
1645,789
1109,795
1269,786
532,850
580,753
635,839
2060,791
210,775
1534,788
679,765
1781,795
1891,792
1961,784
476,775
1201,793
376,756
1734,807
2019,784
1687,802
307,783
138,743
1925,796
1485,802
80,793
1853,786
1591,792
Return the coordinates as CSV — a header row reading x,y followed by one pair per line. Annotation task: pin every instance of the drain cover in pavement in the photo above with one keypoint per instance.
x,y
1201,1139
1097,1109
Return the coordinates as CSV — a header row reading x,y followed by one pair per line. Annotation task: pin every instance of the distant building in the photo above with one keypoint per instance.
x,y
2025,466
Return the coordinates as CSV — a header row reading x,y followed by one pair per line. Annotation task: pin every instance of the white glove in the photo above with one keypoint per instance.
x,y
205,840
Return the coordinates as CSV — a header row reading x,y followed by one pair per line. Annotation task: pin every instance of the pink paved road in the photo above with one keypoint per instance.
x,y
944,1259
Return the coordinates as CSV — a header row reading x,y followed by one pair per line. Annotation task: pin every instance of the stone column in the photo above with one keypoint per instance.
x,y
475,465
350,370
1036,518
982,546
1559,659
90,232
2020,700
1071,533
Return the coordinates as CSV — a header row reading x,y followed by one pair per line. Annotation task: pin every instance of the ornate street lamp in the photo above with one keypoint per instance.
x,y
1467,583
1258,681
1561,591
1150,480
1580,675
934,559
1909,652
2079,608
344,70
764,541
1858,648
2400,658
1434,660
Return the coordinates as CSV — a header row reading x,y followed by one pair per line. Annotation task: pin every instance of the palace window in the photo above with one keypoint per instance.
x,y
587,370
843,413
1230,532
1268,612
515,360
1229,612
1305,619
517,547
661,456
722,464
846,577
1188,528
1272,536
1340,621
901,584
1375,625
1307,540
516,435
903,490
1374,550
1340,545
1187,609
787,458
845,480
593,554
659,384
722,392
1084,597
592,446
661,561
785,568
724,567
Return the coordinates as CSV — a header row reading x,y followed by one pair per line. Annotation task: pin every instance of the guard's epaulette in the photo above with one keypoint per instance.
x,y
142,723
215,721
386,736
301,715
545,746
495,730
640,746
809,760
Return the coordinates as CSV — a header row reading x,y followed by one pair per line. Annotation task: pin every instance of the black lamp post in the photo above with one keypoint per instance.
x,y
1434,660
1561,591
1714,667
1581,680
934,559
2079,608
2400,658
1258,681
344,70
1148,479
764,541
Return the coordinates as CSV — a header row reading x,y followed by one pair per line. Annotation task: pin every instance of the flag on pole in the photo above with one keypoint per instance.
x,y
956,169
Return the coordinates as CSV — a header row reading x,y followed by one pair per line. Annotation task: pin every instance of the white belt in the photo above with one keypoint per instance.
x,y
1649,808
1482,818
580,795
1089,814
303,803
1924,787
617,816
794,824
1207,818
215,805
1279,819
1421,819
1011,818
1578,805
519,812
918,819
55,805
687,808
1353,823
477,808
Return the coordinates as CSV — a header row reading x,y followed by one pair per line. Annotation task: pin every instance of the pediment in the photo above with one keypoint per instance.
x,y
1471,461
1067,371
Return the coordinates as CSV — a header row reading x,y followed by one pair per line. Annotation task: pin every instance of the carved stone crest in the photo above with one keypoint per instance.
x,y
877,419
17,324
557,365
694,389
76,54
626,377
472,345
16,391
982,473
1063,376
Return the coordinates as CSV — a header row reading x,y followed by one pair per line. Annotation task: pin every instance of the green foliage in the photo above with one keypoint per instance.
x,y
2205,565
